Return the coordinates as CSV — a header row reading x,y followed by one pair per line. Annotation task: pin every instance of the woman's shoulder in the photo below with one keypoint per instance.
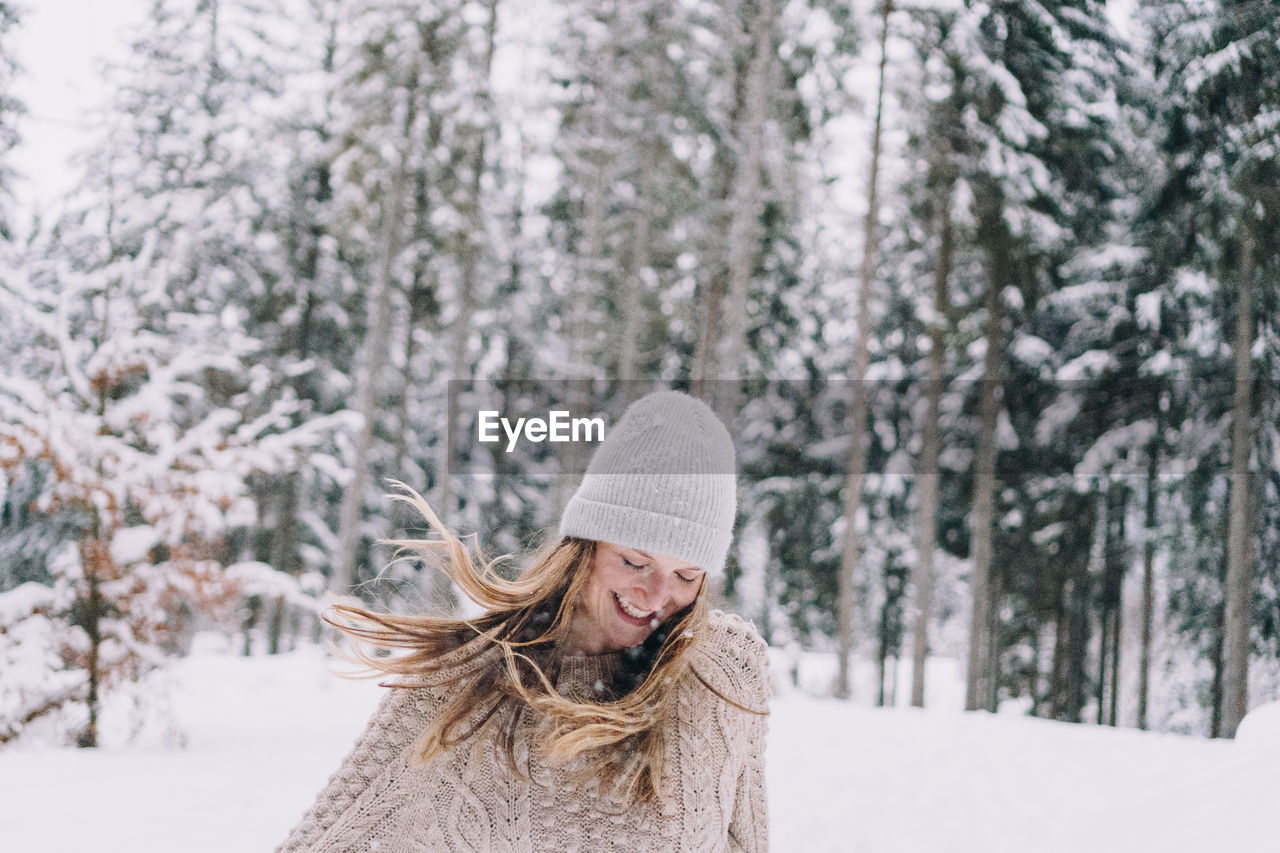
x,y
729,635
732,659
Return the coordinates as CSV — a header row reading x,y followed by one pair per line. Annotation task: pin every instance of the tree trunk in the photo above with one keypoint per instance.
x,y
770,598
1067,671
92,554
1098,571
375,355
882,660
1216,656
748,208
978,684
1037,673
927,519
711,298
261,551
1062,701
1148,579
851,554
285,556
423,302
638,258
275,625
589,281
472,246
1077,644
1238,620
996,592
632,326
1115,593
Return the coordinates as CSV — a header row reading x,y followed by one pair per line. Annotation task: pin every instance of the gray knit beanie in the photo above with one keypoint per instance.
x,y
663,480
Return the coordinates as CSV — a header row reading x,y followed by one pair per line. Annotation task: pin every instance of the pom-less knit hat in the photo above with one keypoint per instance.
x,y
663,480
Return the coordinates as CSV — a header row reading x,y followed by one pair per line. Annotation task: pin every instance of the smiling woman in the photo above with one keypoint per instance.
x,y
627,596
599,704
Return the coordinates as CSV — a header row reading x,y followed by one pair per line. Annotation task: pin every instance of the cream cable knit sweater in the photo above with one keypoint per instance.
x,y
467,799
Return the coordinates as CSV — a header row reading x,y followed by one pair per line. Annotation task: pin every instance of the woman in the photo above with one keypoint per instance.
x,y
600,704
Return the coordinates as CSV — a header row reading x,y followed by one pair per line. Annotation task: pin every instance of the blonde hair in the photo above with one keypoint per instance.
x,y
527,619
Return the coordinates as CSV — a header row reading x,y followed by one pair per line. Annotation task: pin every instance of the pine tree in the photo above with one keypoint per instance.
x,y
1216,67
853,498
137,414
412,216
304,313
138,465
1037,79
936,144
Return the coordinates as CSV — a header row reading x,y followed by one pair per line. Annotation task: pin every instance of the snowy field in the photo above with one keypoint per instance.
x,y
262,735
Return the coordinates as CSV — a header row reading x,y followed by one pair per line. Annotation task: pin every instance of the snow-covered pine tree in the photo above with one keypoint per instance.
x,y
186,158
416,121
1081,420
200,155
789,473
1036,110
626,215
852,553
136,414
1138,253
1217,65
303,313
520,337
932,95
139,467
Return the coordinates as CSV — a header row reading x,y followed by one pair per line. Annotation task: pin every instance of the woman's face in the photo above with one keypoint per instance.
x,y
630,592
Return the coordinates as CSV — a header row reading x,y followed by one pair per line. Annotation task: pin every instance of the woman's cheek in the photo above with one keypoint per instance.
x,y
687,593
612,577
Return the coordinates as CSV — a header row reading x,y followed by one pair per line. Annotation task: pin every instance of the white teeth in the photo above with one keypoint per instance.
x,y
630,609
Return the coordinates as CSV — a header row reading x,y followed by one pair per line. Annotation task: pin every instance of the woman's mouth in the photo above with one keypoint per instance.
x,y
634,615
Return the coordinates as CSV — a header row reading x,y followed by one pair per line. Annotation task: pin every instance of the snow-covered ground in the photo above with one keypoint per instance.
x,y
262,734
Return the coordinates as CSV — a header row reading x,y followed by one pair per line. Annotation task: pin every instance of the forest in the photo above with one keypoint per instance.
x,y
985,290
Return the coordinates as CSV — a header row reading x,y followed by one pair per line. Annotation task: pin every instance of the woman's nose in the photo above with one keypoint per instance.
x,y
652,589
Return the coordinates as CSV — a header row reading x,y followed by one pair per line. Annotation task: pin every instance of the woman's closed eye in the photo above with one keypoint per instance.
x,y
639,567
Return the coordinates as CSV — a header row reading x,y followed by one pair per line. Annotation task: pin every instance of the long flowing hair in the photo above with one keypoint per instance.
x,y
527,620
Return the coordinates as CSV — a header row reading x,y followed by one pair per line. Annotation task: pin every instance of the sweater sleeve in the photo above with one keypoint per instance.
x,y
749,826
397,720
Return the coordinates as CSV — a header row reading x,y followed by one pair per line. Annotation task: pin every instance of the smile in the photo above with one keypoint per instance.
x,y
633,614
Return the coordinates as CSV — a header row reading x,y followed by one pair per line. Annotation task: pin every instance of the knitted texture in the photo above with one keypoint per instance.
x,y
468,799
663,480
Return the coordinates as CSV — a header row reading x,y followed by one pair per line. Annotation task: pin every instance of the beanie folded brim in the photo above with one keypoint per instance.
x,y
633,527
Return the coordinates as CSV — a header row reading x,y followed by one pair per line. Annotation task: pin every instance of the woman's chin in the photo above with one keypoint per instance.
x,y
624,636
620,640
